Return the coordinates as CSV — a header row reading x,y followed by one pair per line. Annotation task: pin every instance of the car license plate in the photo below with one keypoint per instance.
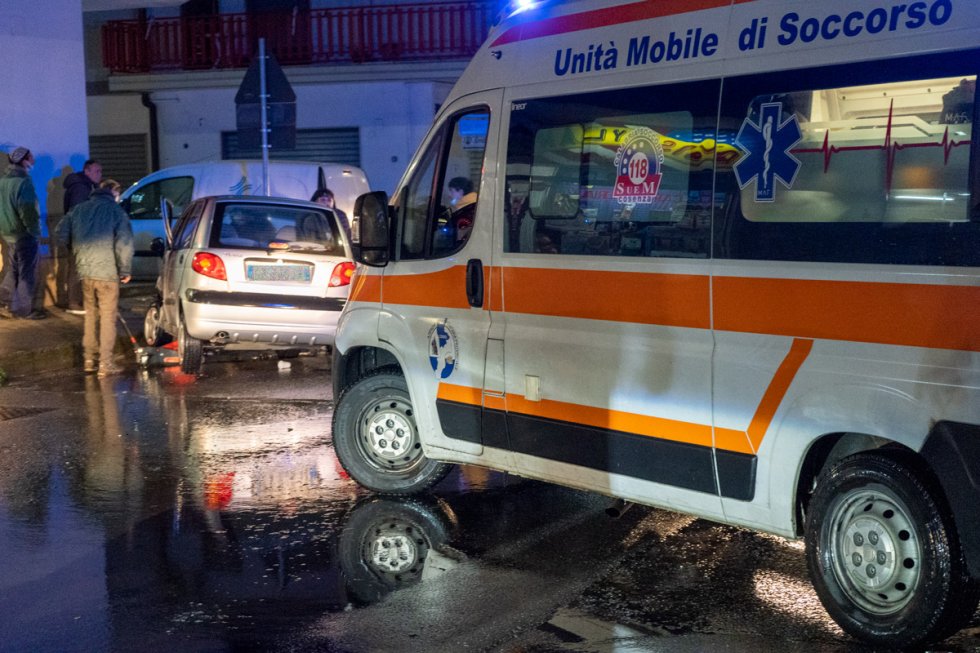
x,y
279,272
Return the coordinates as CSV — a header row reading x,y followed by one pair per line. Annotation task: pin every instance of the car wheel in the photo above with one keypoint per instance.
x,y
376,437
884,555
153,333
385,544
190,349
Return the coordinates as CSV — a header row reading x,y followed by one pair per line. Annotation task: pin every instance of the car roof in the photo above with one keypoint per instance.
x,y
263,199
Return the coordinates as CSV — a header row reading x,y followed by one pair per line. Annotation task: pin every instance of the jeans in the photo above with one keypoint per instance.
x,y
101,302
19,274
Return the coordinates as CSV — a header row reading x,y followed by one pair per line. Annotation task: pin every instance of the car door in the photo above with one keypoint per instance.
x,y
435,312
176,260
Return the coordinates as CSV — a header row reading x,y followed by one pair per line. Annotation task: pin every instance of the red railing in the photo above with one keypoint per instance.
x,y
350,34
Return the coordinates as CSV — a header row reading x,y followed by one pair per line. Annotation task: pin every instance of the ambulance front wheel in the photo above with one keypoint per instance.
x,y
884,555
376,437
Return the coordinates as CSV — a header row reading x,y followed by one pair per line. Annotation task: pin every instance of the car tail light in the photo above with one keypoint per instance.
x,y
210,265
342,274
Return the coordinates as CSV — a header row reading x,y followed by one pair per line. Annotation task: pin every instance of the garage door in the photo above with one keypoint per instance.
x,y
337,145
124,157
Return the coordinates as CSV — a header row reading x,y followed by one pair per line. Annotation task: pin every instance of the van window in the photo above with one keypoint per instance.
x,y
621,173
145,202
874,171
437,207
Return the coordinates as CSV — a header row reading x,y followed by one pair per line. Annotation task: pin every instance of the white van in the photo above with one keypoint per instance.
x,y
184,183
724,259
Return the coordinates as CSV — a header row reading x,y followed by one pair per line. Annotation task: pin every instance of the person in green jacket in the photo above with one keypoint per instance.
x,y
20,228
99,235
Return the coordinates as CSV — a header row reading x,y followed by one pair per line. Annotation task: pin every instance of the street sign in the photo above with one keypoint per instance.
x,y
280,107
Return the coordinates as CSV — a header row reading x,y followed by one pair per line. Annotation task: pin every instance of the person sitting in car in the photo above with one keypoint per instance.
x,y
462,199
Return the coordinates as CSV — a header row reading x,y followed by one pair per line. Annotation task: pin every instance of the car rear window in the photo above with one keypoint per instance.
x,y
256,226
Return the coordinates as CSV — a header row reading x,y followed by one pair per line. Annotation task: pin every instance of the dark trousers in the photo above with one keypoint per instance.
x,y
19,274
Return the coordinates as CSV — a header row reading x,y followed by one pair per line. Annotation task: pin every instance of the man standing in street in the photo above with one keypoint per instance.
x,y
20,228
78,187
99,235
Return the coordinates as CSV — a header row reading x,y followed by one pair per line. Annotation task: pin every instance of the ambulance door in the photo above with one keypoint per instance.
x,y
606,291
436,315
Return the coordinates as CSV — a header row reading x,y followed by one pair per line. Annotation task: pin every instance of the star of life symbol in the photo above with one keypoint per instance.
x,y
766,146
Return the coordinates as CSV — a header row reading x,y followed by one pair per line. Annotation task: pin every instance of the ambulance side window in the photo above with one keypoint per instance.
x,y
416,205
437,208
874,171
616,173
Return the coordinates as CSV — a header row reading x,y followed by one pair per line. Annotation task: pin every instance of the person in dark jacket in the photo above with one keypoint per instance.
x,y
20,229
325,197
78,187
101,240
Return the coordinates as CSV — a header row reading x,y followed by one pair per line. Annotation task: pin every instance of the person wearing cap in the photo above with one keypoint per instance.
x,y
78,186
100,237
20,229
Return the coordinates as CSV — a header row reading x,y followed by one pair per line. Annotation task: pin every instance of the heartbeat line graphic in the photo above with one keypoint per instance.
x,y
890,147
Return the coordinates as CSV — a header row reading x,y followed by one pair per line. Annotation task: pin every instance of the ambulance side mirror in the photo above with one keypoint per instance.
x,y
370,229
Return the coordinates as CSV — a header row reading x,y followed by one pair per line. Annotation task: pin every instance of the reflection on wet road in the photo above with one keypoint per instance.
x,y
156,511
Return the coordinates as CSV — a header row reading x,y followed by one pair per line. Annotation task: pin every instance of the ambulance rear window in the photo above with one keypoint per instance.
x,y
894,153
852,163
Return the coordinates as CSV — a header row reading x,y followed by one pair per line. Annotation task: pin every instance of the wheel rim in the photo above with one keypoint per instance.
x,y
392,550
877,557
388,437
151,326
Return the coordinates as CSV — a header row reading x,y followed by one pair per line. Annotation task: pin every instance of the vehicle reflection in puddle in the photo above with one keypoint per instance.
x,y
219,521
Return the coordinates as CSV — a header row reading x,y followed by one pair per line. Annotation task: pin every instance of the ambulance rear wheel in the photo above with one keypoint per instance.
x,y
190,349
884,554
376,437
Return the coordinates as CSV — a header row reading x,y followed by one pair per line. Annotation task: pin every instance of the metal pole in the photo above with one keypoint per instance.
x,y
264,118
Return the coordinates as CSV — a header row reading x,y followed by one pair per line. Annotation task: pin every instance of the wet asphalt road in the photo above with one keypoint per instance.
x,y
160,512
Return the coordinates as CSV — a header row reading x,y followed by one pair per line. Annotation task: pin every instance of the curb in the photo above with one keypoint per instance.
x,y
65,356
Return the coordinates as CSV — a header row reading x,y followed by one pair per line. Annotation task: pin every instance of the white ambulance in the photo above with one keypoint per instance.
x,y
716,256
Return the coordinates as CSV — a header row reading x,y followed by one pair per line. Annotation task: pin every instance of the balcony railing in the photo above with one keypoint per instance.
x,y
420,32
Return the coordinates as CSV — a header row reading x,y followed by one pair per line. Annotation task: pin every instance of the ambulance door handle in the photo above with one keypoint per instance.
x,y
474,282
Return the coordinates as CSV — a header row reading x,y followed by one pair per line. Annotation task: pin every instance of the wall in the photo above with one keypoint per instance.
x,y
43,105
392,116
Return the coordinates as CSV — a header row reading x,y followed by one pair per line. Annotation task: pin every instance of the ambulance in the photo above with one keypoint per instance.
x,y
714,256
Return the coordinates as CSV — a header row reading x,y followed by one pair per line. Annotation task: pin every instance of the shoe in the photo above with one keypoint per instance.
x,y
108,370
75,311
91,366
36,315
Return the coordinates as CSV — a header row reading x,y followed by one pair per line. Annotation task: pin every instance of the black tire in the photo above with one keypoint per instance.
x,y
385,543
191,351
377,440
153,333
884,555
